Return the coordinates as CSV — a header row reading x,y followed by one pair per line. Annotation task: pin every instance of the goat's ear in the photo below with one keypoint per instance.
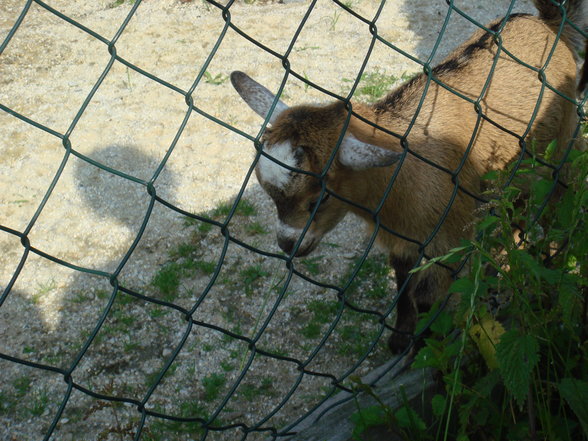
x,y
359,155
256,96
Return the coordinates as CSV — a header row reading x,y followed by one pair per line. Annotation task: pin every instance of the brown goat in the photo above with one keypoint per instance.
x,y
447,128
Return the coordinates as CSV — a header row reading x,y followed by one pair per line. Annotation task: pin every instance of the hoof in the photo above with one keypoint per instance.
x,y
398,342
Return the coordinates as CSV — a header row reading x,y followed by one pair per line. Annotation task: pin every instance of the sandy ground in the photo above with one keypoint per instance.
x,y
92,217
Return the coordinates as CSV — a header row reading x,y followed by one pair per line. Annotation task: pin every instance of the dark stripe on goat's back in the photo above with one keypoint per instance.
x,y
452,64
484,42
397,96
459,59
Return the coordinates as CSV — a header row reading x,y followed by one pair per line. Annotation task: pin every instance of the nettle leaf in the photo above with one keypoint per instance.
x,y
426,358
407,418
530,264
443,324
517,356
565,209
366,418
575,392
540,189
524,260
464,286
569,297
438,405
487,223
485,385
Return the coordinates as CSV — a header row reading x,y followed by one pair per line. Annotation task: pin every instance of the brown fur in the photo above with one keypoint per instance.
x,y
444,128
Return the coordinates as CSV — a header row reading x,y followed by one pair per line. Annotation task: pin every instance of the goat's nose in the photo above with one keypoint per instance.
x,y
286,244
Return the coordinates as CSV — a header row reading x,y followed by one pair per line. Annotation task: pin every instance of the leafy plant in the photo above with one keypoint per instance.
x,y
518,367
524,354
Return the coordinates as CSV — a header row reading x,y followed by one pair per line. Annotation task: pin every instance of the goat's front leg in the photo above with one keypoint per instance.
x,y
406,309
421,291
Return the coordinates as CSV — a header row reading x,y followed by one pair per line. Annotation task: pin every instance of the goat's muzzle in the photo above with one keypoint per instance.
x,y
305,248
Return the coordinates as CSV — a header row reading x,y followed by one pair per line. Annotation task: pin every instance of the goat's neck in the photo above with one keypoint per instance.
x,y
368,133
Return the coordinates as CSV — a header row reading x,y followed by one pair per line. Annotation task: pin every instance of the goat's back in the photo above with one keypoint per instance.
x,y
494,93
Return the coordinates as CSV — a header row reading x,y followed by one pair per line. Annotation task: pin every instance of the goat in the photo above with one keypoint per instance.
x,y
421,146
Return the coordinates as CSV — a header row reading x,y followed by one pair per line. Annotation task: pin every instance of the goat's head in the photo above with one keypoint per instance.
x,y
303,139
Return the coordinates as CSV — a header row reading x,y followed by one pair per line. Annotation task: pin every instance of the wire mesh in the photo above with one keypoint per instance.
x,y
211,414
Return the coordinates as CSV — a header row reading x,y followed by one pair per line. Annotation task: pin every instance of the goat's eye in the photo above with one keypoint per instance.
x,y
322,201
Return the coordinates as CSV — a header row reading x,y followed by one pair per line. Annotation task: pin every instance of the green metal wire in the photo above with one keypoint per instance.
x,y
212,423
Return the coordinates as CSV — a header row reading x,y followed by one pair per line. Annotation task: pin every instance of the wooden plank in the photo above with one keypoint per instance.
x,y
332,420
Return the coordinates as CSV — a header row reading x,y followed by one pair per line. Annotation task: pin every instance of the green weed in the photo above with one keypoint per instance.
x,y
312,264
251,391
333,19
251,275
200,265
117,3
43,289
7,403
167,281
22,386
183,250
322,312
204,227
39,405
255,228
374,85
213,385
216,80
160,429
244,208
306,48
372,281
131,346
312,330
157,312
226,366
80,297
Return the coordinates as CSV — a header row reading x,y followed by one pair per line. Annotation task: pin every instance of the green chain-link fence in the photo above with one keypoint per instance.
x,y
219,410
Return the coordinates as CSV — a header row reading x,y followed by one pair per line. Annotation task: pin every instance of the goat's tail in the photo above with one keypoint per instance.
x,y
576,12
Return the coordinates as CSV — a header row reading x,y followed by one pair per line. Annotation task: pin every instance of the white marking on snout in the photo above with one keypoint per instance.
x,y
292,235
272,172
286,231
